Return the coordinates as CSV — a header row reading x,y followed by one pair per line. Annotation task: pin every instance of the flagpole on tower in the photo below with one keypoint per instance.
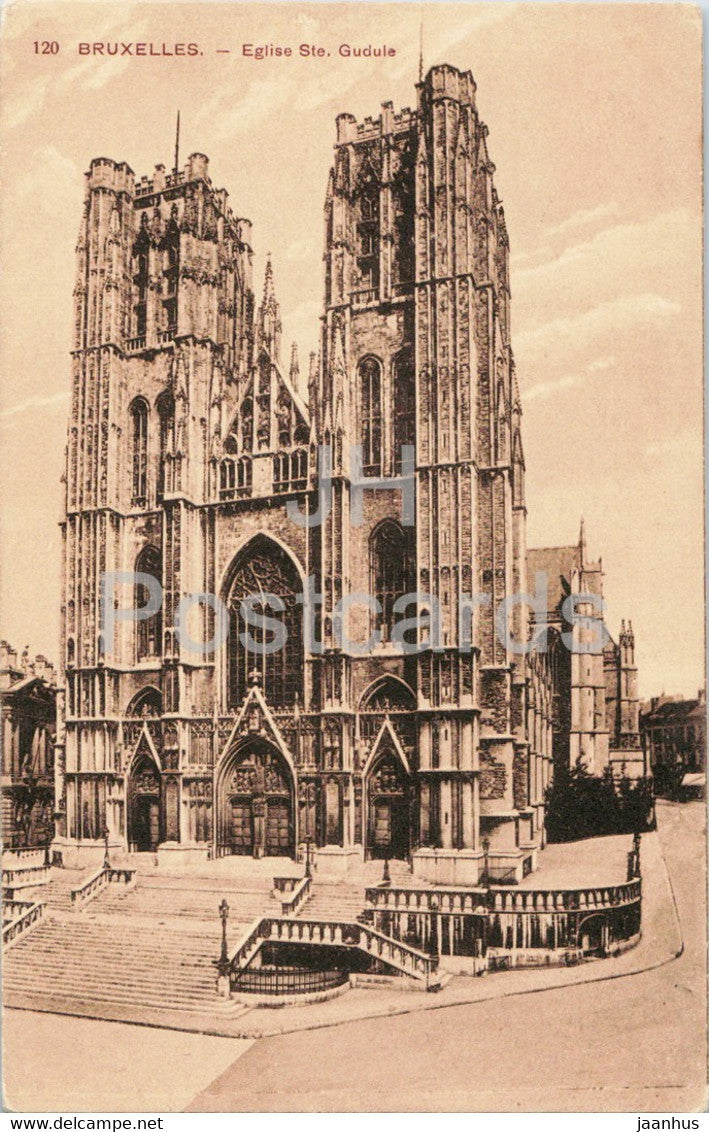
x,y
177,145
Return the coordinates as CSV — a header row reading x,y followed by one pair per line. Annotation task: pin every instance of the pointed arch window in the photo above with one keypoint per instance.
x,y
235,478
517,472
299,469
166,414
281,473
141,278
370,385
139,425
404,405
227,479
390,570
149,631
368,236
171,273
264,568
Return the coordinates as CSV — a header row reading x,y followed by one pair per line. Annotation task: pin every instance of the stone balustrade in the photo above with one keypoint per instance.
x,y
457,901
23,852
27,915
285,884
297,897
28,877
337,933
91,887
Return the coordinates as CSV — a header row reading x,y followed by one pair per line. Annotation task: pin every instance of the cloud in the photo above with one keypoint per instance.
x,y
32,404
568,381
584,218
607,317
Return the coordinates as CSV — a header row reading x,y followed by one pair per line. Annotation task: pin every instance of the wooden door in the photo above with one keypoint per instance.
x,y
277,828
241,826
146,823
381,828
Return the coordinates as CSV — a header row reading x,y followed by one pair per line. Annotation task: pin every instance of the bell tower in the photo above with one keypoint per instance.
x,y
163,335
416,354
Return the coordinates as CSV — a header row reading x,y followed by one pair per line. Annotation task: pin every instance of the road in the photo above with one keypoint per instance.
x,y
635,1044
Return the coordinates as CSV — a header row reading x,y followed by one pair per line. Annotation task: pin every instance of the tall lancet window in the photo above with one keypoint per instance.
x,y
171,273
370,384
149,631
368,237
139,421
257,651
404,405
390,570
141,278
166,415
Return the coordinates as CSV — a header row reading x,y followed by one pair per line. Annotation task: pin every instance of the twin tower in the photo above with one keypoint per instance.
x,y
199,464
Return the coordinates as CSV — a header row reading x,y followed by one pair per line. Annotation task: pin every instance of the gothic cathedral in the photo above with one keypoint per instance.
x,y
196,461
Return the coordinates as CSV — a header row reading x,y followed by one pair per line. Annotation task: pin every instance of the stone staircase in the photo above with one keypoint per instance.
x,y
171,898
343,899
133,952
74,962
139,953
56,896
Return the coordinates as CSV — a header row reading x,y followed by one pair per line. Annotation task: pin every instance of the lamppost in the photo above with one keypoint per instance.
x,y
106,858
486,871
433,942
308,862
224,957
636,852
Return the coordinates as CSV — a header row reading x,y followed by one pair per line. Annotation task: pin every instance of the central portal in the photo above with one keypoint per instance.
x,y
256,804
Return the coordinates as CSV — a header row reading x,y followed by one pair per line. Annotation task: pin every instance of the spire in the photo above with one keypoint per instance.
x,y
294,367
582,541
177,144
269,294
421,51
269,317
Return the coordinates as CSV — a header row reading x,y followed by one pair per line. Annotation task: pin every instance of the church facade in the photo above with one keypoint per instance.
x,y
198,463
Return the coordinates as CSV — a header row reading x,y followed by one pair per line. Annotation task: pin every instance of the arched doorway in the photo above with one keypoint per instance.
x,y
144,813
389,808
592,935
256,812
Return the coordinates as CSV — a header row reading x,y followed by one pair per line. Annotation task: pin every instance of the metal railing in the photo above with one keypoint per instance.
x,y
272,980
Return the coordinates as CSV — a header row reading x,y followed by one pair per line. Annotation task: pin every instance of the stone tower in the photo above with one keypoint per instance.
x,y
163,339
416,352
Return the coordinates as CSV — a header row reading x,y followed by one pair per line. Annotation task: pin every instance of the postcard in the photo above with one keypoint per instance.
x,y
352,660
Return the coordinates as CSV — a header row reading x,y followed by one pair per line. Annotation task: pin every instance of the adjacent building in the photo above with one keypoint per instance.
x,y
674,736
595,683
28,702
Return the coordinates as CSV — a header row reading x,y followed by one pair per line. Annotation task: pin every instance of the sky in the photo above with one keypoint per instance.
x,y
594,114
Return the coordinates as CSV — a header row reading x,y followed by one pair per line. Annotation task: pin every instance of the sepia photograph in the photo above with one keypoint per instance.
x,y
352,593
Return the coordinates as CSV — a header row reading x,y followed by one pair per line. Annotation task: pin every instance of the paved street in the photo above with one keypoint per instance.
x,y
52,1063
627,1044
